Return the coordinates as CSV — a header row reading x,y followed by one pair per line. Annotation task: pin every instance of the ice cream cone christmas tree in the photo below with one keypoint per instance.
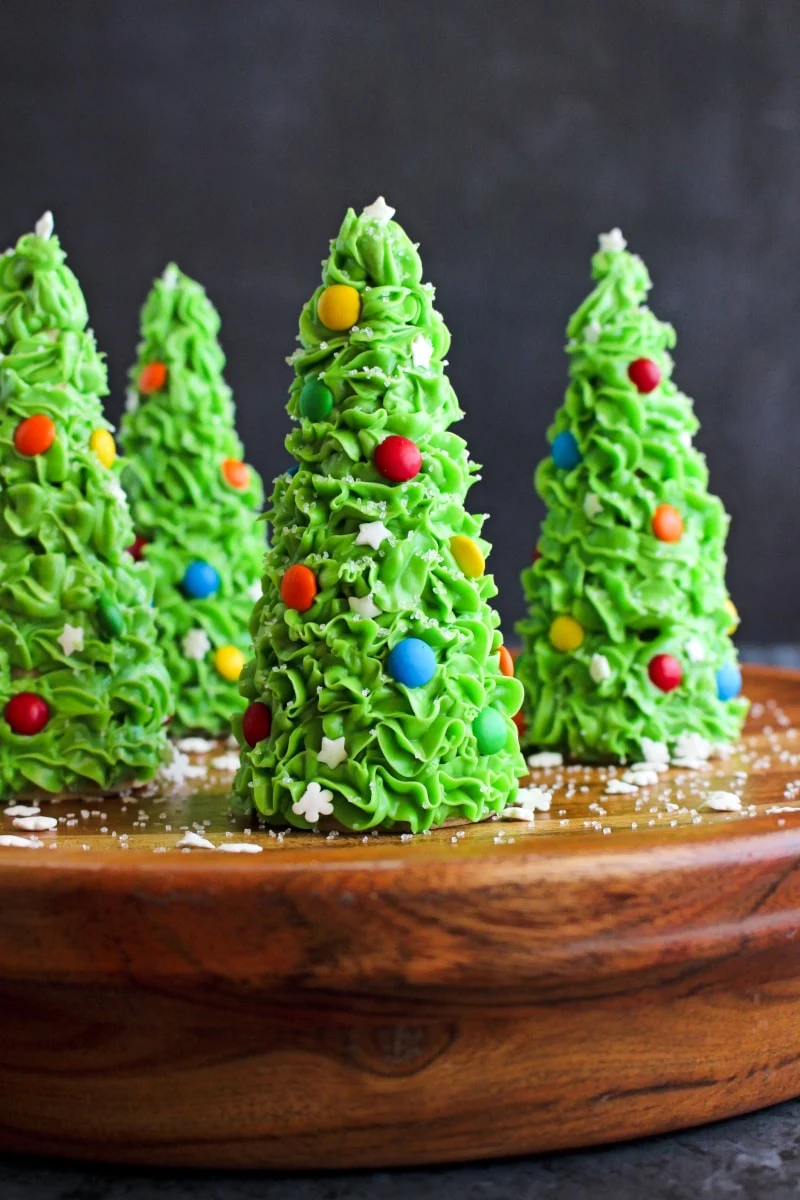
x,y
379,691
194,502
84,695
627,642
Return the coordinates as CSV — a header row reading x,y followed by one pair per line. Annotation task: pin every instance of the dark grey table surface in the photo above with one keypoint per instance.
x,y
752,1156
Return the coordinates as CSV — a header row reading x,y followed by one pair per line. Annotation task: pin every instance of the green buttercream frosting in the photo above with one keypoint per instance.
x,y
412,753
64,529
635,596
177,440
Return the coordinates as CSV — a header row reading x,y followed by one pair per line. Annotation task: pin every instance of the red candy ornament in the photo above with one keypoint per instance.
x,y
152,378
256,723
398,459
26,713
665,672
645,375
519,721
136,547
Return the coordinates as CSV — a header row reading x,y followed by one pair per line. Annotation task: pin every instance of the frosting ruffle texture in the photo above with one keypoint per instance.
x,y
635,593
76,626
380,553
193,501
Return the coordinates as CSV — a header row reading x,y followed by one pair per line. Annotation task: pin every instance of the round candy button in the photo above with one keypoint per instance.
x,y
411,662
506,662
299,587
729,681
398,459
110,618
490,730
566,634
667,523
733,612
200,580
26,714
152,378
468,556
645,375
136,548
565,451
104,446
229,661
665,672
316,400
256,723
34,435
236,473
339,306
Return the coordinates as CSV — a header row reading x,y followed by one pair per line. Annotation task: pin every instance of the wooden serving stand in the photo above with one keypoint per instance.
x,y
626,965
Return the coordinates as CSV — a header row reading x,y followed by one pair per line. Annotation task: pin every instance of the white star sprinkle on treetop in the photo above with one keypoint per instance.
x,y
332,752
196,644
372,533
379,210
45,225
364,606
613,241
71,639
314,803
421,351
593,330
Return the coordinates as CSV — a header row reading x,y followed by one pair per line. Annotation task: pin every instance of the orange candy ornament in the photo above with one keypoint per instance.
x,y
667,523
298,588
152,378
506,662
236,473
34,435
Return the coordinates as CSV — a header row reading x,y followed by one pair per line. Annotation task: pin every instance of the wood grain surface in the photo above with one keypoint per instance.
x,y
621,966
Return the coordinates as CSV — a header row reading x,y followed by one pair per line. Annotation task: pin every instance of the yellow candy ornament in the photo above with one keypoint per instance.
x,y
734,614
339,306
566,634
468,556
104,446
229,661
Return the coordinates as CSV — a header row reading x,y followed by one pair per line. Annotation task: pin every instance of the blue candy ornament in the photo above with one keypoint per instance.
x,y
729,681
566,454
200,580
411,662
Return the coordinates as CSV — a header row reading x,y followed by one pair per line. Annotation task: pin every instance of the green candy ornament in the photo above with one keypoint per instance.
x,y
316,400
491,730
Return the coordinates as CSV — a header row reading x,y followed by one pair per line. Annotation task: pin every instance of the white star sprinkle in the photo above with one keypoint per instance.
x,y
421,351
654,752
592,331
545,758
695,651
314,803
379,211
254,591
599,668
372,533
693,746
71,639
196,644
170,277
45,225
332,752
592,505
533,797
364,606
612,241
131,400
685,438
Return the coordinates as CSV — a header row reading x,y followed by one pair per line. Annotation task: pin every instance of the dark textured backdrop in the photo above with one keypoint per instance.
x,y
232,134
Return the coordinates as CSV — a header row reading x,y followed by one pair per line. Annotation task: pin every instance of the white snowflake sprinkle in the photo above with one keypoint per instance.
x,y
241,847
723,802
695,651
692,745
592,331
194,841
195,644
35,824
532,797
45,225
131,400
545,758
314,803
421,351
654,752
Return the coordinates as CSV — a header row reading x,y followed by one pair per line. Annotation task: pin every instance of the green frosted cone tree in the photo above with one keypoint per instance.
x,y
195,504
627,641
379,691
84,694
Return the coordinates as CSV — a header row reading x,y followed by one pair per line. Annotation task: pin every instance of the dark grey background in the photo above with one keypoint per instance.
x,y
232,134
